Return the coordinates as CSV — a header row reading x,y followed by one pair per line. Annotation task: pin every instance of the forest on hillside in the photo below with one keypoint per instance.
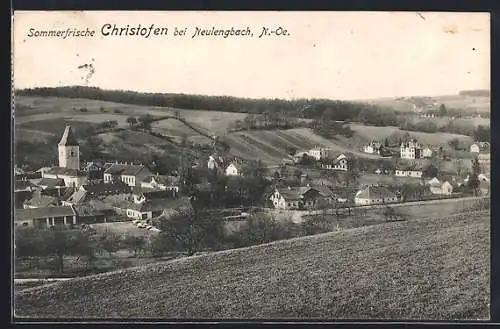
x,y
300,108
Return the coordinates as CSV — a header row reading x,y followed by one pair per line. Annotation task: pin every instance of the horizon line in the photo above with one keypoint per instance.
x,y
16,89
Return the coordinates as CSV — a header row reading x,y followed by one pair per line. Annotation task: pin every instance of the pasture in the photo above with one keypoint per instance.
x,y
41,108
424,269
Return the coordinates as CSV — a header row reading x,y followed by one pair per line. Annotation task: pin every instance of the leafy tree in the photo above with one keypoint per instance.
x,y
131,121
482,134
134,243
191,231
391,214
430,171
61,242
262,228
110,243
29,244
454,143
442,110
473,183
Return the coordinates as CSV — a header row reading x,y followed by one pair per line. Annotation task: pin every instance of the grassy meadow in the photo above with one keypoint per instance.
x,y
433,268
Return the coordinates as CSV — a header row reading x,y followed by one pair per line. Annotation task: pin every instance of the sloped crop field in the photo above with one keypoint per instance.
x,y
426,269
271,146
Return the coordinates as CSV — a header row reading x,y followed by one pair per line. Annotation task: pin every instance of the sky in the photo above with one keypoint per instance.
x,y
336,55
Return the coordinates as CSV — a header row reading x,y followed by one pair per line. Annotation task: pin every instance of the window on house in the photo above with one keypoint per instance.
x,y
24,224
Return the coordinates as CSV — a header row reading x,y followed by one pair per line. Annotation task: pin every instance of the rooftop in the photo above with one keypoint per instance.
x,y
50,182
43,212
375,192
124,169
65,172
68,137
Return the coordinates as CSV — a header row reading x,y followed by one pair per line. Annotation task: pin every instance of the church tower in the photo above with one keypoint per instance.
x,y
69,150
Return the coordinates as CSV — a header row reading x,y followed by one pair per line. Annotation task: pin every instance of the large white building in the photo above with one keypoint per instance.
x,y
411,150
319,153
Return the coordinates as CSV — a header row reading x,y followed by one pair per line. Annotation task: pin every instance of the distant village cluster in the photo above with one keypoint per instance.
x,y
78,192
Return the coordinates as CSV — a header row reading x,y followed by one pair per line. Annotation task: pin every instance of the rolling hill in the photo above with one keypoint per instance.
x,y
44,117
423,269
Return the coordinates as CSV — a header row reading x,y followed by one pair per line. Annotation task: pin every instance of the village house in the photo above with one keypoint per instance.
x,y
440,188
45,217
411,150
478,147
144,208
233,169
130,174
161,182
88,214
375,195
100,190
339,163
294,198
409,171
69,162
319,153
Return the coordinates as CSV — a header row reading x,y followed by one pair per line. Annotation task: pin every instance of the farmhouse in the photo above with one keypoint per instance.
x,y
411,150
130,174
439,188
409,171
375,195
339,163
69,162
162,182
294,198
45,217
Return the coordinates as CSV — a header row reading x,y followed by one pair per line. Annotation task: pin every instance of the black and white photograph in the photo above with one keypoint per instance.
x,y
260,166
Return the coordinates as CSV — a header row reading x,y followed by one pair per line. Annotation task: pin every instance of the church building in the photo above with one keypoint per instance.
x,y
69,162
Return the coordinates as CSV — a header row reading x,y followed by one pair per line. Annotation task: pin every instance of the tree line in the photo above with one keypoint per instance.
x,y
300,108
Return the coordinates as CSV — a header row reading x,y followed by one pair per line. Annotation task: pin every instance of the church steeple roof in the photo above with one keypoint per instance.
x,y
68,137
